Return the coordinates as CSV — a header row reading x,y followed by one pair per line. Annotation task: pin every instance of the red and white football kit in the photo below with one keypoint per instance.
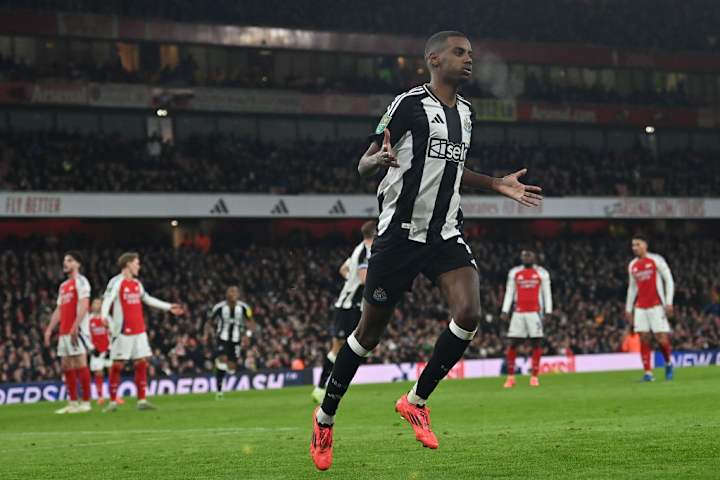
x,y
71,291
650,288
529,289
126,296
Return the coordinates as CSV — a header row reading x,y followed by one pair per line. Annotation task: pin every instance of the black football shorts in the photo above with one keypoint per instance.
x,y
396,262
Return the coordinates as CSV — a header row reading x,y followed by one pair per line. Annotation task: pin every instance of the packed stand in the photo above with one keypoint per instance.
x,y
665,24
292,288
389,79
217,163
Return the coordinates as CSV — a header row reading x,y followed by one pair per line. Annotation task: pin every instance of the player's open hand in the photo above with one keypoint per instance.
x,y
526,195
177,309
386,157
669,310
504,317
629,318
47,336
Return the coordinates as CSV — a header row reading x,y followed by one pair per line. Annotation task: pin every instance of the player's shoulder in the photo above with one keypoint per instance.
x,y
115,280
359,248
406,98
656,257
82,283
514,270
464,101
219,305
542,271
632,262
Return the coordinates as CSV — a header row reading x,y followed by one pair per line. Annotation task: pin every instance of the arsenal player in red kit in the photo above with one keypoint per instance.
x,y
72,305
99,329
528,287
649,304
125,294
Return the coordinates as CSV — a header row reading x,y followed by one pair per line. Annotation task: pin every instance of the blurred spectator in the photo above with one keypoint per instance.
x,y
291,290
389,79
667,24
217,163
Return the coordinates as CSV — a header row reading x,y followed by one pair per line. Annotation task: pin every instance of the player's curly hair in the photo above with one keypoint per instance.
x,y
640,236
75,255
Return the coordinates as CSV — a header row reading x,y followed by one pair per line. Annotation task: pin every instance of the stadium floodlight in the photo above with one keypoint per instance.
x,y
649,129
161,112
173,223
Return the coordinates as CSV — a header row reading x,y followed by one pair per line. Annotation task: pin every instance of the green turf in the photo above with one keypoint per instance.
x,y
574,426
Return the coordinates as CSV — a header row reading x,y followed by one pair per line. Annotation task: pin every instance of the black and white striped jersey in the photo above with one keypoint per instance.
x,y
230,321
352,291
420,200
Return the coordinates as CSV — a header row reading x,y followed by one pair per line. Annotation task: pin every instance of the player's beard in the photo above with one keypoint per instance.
x,y
459,80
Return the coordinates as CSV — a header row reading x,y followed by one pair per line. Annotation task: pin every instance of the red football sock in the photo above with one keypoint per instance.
x,y
666,351
115,371
536,354
141,378
71,384
83,373
99,384
511,355
645,351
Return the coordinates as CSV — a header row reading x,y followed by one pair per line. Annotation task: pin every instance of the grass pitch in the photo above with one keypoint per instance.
x,y
604,425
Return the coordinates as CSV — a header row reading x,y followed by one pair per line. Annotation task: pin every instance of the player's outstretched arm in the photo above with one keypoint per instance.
x,y
508,186
377,157
174,308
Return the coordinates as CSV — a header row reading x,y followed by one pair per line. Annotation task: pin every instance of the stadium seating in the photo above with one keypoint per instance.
x,y
291,289
185,74
216,163
668,24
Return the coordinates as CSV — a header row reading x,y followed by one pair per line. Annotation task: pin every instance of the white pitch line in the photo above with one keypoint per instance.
x,y
154,431
25,448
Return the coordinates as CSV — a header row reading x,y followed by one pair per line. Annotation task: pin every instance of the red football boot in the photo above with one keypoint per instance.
x,y
321,445
419,419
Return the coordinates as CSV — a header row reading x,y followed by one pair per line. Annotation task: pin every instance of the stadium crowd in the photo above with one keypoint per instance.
x,y
291,287
219,163
388,79
666,24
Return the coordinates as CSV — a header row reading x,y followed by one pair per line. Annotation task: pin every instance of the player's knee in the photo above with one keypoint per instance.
x,y
367,336
467,317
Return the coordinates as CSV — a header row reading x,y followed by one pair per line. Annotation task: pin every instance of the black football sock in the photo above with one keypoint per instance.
x,y
219,377
449,349
327,369
349,358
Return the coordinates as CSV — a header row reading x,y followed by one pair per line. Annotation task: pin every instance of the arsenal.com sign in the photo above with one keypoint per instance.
x,y
175,205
